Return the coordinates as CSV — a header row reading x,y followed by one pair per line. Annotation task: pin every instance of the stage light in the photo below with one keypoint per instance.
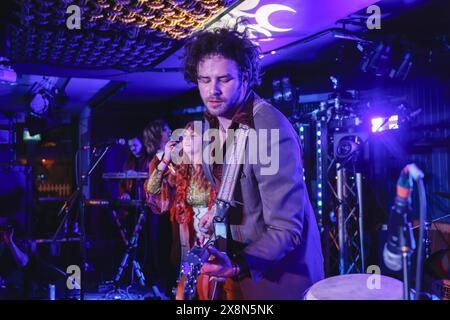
x,y
319,173
383,123
39,104
146,22
377,59
287,89
347,147
7,73
28,137
277,95
405,65
377,123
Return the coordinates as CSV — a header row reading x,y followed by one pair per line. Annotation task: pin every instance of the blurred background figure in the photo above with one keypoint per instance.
x,y
156,135
13,263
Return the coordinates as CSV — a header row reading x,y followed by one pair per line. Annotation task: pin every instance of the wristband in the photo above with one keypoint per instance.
x,y
165,161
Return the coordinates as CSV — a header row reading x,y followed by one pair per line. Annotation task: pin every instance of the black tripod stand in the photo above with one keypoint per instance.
x,y
77,195
132,245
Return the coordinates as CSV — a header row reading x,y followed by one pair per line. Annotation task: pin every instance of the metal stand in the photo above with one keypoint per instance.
x,y
348,197
406,241
67,208
131,251
132,245
360,218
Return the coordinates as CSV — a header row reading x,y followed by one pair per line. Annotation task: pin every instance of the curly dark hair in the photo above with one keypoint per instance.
x,y
228,43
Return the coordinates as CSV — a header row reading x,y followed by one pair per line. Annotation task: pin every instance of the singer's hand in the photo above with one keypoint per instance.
x,y
168,150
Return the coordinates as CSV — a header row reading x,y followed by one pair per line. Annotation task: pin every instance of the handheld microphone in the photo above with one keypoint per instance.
x,y
170,165
180,139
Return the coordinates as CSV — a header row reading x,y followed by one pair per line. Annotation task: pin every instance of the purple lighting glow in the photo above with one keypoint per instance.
x,y
383,123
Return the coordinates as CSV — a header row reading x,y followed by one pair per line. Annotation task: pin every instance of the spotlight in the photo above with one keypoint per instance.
x,y
7,74
377,59
384,123
347,147
39,104
277,95
287,88
42,100
405,66
382,59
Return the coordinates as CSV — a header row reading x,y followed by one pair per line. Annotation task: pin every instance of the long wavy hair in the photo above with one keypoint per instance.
x,y
182,210
152,136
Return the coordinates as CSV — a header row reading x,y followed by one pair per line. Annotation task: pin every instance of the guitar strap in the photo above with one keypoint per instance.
x,y
233,159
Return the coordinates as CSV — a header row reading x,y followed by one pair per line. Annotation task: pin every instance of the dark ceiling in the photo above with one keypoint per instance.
x,y
129,50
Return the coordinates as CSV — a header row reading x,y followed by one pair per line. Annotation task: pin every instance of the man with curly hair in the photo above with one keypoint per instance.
x,y
273,242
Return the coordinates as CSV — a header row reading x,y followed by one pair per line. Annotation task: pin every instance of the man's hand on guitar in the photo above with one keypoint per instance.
x,y
205,224
220,266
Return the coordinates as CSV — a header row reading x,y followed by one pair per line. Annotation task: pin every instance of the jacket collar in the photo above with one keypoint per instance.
x,y
243,115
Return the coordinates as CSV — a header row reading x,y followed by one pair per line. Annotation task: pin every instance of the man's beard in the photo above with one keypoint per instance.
x,y
223,109
226,109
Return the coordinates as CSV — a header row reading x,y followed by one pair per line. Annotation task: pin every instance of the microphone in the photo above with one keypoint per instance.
x,y
398,238
114,141
109,142
180,139
170,165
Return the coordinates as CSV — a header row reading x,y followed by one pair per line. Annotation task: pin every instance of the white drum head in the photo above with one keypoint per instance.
x,y
356,287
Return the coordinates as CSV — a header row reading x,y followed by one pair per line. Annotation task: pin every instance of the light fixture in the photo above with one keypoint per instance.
x,y
277,94
287,89
40,104
319,173
384,123
41,34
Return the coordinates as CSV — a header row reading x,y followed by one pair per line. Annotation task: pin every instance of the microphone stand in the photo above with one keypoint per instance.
x,y
406,243
67,208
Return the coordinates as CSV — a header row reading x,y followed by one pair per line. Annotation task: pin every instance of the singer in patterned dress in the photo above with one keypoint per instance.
x,y
191,195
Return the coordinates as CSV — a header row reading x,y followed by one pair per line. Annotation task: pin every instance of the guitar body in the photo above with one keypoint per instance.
x,y
191,283
188,280
210,289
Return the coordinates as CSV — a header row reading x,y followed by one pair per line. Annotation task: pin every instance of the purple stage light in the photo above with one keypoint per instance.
x,y
384,123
